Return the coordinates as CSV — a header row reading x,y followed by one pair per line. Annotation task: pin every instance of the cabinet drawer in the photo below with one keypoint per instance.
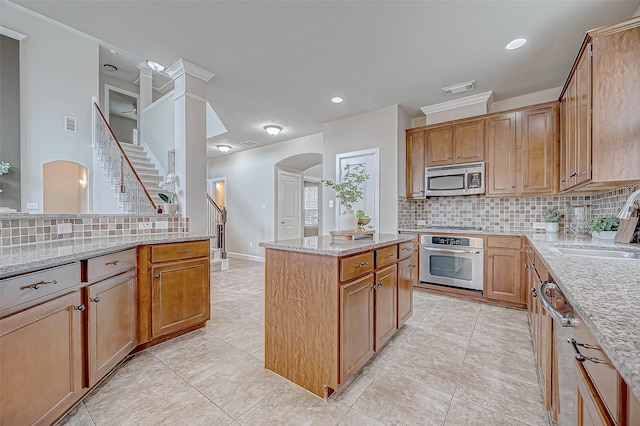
x,y
386,256
514,243
354,266
177,251
405,250
603,375
416,238
20,292
110,264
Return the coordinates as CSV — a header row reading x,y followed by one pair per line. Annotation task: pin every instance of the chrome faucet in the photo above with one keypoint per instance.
x,y
625,212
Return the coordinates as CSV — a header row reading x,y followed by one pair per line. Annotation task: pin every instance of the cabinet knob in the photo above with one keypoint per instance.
x,y
513,186
96,299
534,292
80,308
157,276
380,284
526,266
373,287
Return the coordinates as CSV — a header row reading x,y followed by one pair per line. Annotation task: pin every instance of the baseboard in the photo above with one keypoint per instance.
x,y
245,257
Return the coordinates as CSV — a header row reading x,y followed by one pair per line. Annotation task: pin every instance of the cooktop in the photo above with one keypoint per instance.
x,y
455,228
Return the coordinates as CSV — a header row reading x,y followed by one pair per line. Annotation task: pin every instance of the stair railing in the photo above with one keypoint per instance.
x,y
217,225
133,194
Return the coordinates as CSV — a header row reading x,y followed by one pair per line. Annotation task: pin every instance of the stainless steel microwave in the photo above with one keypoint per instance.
x,y
460,179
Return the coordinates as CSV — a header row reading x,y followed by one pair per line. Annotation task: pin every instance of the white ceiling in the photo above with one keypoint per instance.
x,y
281,62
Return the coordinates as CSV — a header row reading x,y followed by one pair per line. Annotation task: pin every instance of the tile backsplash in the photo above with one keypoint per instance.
x,y
505,214
23,229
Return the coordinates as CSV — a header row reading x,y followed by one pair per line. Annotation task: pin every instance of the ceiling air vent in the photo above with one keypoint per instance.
x,y
459,88
249,143
70,124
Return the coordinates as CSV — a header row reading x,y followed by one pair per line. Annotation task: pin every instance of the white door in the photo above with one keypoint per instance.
x,y
289,205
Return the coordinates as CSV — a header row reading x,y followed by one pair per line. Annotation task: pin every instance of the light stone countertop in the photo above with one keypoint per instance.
x,y
322,245
24,258
605,293
459,231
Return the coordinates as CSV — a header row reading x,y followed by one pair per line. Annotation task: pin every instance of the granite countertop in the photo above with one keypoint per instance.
x,y
605,293
322,245
461,231
24,258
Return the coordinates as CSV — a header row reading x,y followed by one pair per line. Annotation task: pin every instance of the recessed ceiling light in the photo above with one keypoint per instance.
x,y
110,68
223,148
516,43
336,100
155,66
272,129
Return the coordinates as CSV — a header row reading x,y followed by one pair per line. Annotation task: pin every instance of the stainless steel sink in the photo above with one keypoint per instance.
x,y
612,254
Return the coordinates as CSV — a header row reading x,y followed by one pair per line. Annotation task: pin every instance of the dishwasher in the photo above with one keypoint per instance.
x,y
565,351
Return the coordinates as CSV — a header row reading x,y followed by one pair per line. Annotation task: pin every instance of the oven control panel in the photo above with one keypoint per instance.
x,y
451,240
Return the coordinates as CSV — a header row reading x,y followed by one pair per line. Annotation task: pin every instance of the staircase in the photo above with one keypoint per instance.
x,y
149,175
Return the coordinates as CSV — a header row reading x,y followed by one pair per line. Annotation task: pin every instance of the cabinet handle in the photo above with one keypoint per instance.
x,y
115,262
582,358
360,265
407,248
534,292
80,308
37,285
573,175
373,287
563,181
513,186
184,251
96,299
157,276
526,266
389,255
381,284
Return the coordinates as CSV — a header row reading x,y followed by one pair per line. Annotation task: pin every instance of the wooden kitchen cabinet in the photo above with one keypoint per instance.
x,y
439,146
501,154
600,119
385,302
41,366
633,409
458,143
415,163
406,280
589,408
504,269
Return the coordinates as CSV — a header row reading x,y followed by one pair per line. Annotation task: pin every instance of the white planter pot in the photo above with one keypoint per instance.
x,y
604,235
348,221
170,208
551,227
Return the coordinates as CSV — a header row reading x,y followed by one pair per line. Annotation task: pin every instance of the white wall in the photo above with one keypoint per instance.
x,y
637,12
376,129
250,182
157,129
122,127
59,76
526,100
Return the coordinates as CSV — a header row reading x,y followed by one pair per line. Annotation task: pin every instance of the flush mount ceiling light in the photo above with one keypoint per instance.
x,y
223,148
336,100
459,88
516,43
155,66
113,51
272,129
110,68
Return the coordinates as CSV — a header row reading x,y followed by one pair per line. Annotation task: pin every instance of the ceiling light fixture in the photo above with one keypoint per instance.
x,y
155,66
336,100
272,129
113,51
223,148
110,68
516,43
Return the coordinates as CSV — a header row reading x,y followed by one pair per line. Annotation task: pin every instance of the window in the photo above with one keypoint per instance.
x,y
311,205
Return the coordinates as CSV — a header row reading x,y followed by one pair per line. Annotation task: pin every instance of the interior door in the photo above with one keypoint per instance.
x,y
289,205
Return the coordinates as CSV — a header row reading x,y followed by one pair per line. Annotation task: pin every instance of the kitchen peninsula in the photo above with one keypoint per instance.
x,y
329,307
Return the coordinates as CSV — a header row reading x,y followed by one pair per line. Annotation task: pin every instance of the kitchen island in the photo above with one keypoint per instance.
x,y
330,307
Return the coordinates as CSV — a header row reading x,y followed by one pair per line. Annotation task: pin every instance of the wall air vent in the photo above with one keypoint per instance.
x,y
459,88
249,143
70,124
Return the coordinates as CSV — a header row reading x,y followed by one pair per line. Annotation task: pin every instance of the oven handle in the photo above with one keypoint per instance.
x,y
565,320
451,250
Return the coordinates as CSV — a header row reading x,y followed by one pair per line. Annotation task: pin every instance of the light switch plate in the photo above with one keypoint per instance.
x,y
538,225
162,224
32,206
330,204
421,222
65,228
145,225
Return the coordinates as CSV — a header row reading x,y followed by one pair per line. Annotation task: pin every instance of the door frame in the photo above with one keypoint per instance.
x,y
319,182
110,88
276,207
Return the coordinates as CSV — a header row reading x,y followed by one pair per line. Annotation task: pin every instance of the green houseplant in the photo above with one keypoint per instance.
x,y
551,217
169,184
603,227
349,192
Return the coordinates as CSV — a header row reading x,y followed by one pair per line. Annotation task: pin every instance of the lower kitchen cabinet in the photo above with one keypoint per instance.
x,y
633,409
41,367
406,274
112,323
504,269
589,408
385,302
356,325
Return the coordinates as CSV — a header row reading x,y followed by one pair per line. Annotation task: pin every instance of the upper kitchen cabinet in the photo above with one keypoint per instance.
x,y
600,121
461,142
415,163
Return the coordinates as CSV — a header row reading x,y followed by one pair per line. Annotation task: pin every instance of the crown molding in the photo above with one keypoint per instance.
x,y
486,97
183,66
12,34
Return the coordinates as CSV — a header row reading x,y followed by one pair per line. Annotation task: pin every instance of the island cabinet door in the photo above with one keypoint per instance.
x,y
41,367
356,325
385,305
406,271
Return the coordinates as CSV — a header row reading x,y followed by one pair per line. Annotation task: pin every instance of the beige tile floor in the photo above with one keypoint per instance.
x,y
454,363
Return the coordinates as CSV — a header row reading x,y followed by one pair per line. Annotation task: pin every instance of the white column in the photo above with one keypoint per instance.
x,y
191,141
146,87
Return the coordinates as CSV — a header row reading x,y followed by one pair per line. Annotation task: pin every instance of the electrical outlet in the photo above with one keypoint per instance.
x,y
250,244
32,206
145,225
162,224
421,222
65,228
538,225
263,206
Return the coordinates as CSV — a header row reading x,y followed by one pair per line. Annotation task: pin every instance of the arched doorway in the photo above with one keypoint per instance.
x,y
64,187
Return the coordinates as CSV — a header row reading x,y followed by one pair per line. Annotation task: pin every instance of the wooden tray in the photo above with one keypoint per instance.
x,y
346,236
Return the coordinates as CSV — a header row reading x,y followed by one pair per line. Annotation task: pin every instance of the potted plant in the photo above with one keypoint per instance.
x,y
349,192
551,218
363,219
604,228
169,184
